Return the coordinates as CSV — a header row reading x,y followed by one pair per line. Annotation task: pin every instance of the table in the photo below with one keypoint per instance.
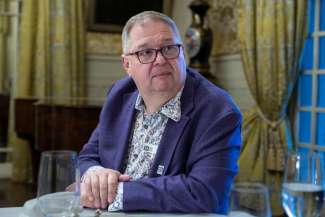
x,y
31,209
18,212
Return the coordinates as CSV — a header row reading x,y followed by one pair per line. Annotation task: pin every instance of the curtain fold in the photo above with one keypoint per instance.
x,y
4,22
271,35
51,61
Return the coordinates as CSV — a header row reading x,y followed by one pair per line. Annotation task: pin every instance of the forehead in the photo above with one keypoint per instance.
x,y
150,34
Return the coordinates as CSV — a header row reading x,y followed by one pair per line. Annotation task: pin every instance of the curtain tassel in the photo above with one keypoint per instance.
x,y
270,164
275,154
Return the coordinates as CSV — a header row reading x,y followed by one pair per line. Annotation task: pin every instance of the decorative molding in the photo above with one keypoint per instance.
x,y
224,58
8,14
103,44
104,58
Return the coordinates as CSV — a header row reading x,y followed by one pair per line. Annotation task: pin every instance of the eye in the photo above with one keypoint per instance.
x,y
146,52
170,48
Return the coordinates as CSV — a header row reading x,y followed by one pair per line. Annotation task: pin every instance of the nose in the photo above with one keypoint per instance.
x,y
160,59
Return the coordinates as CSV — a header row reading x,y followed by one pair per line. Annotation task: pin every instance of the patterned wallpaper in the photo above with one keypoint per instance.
x,y
222,21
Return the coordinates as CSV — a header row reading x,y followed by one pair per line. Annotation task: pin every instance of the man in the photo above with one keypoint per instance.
x,y
167,139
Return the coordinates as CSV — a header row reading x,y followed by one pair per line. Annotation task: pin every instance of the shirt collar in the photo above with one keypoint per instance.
x,y
172,109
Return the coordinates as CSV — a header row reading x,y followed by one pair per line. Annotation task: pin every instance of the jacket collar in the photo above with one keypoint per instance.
x,y
172,109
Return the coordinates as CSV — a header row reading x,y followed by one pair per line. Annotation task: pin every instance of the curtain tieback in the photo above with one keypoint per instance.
x,y
275,148
272,124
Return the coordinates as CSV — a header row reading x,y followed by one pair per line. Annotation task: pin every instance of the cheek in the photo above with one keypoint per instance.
x,y
179,68
140,73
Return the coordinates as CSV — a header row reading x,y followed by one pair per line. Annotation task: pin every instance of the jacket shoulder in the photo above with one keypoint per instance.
x,y
122,86
210,96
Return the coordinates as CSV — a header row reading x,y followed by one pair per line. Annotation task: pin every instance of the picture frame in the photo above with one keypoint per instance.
x,y
110,16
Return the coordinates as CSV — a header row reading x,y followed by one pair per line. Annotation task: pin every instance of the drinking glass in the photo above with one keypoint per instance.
x,y
303,186
249,199
58,190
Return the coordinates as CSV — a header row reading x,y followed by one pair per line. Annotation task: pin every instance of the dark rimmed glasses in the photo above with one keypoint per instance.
x,y
149,55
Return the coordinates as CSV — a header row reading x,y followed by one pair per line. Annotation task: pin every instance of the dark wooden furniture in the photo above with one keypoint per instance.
x,y
4,118
62,126
25,118
55,124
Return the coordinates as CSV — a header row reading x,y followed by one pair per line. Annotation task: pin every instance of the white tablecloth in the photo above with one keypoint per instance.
x,y
31,209
19,212
11,212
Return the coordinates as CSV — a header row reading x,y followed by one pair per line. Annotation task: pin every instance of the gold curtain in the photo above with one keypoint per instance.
x,y
271,34
51,61
4,21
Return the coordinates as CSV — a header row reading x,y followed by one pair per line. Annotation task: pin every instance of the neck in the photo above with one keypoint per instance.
x,y
154,101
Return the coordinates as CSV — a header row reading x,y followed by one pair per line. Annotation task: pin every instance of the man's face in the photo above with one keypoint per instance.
x,y
162,75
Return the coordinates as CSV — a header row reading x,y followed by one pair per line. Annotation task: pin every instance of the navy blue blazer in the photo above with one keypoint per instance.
x,y
196,160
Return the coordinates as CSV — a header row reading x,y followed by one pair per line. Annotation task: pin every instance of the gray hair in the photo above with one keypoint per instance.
x,y
141,18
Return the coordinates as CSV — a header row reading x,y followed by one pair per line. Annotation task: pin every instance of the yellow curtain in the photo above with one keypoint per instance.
x,y
4,21
51,61
271,34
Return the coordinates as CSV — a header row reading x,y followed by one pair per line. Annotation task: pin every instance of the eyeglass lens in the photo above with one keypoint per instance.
x,y
150,55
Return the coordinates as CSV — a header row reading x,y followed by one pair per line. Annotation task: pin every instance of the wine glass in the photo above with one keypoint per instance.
x,y
58,189
303,186
249,199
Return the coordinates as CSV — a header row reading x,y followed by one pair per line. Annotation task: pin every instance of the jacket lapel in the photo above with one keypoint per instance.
x,y
173,131
126,123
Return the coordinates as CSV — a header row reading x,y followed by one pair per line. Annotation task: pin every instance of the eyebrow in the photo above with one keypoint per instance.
x,y
147,46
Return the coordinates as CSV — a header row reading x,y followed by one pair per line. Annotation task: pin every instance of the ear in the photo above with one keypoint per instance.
x,y
126,64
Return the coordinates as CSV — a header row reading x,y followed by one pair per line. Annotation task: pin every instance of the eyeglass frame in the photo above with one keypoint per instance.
x,y
156,53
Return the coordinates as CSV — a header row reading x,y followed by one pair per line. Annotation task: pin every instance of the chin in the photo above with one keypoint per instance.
x,y
162,89
163,86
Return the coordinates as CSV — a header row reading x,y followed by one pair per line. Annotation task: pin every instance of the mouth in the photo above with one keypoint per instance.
x,y
162,74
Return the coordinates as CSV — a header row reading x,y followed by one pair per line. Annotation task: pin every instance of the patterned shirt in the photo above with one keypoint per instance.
x,y
145,139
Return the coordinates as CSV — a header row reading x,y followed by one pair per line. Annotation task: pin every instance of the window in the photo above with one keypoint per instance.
x,y
311,102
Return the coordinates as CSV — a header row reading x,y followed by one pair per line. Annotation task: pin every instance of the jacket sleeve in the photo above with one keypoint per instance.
x,y
205,186
89,156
